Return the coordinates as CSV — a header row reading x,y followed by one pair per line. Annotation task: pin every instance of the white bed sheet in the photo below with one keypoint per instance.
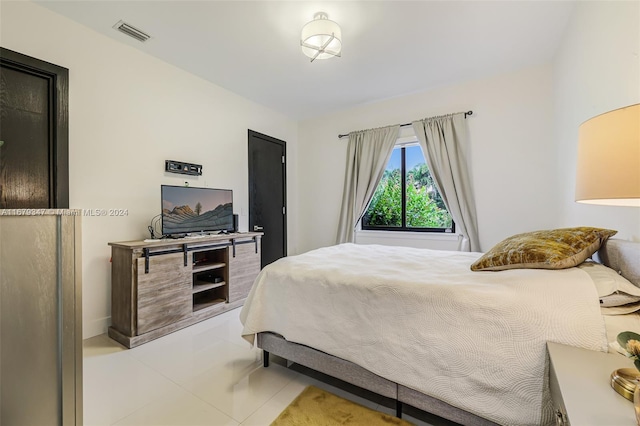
x,y
421,318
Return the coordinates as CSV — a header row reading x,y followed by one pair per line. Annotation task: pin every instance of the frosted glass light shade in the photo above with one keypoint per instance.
x,y
608,170
321,38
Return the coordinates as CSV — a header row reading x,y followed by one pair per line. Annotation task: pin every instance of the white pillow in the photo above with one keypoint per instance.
x,y
613,289
621,310
618,299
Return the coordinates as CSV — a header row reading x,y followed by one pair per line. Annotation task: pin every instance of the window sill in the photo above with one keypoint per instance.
x,y
445,236
428,240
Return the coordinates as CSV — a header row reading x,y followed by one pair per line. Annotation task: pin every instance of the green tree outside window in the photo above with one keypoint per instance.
x,y
424,210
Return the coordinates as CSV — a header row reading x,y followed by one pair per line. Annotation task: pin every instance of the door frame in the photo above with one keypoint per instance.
x,y
283,145
58,78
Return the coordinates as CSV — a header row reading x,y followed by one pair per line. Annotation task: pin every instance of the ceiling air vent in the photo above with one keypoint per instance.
x,y
127,29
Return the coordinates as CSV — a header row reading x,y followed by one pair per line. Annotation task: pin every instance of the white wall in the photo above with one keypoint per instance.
x,y
512,154
596,69
128,113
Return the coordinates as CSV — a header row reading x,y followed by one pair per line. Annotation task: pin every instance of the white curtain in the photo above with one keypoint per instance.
x,y
368,153
444,143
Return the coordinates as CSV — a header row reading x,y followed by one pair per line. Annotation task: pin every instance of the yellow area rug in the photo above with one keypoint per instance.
x,y
316,407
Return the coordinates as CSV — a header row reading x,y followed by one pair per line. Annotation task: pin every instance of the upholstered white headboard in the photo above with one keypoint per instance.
x,y
622,256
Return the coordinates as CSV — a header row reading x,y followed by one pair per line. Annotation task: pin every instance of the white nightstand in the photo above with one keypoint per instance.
x,y
580,387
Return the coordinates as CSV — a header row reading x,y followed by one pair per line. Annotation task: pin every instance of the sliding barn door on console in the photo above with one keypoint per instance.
x,y
267,194
34,170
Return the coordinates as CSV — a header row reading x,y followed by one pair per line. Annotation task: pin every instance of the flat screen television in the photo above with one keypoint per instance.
x,y
186,210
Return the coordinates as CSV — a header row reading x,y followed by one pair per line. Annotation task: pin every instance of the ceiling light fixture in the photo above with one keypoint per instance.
x,y
321,38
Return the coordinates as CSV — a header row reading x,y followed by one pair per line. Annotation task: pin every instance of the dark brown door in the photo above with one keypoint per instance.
x,y
33,133
267,194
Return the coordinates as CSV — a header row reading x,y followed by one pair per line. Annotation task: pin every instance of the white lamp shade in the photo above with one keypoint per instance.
x,y
315,35
608,169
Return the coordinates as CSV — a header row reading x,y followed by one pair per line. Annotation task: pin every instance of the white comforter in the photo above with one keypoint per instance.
x,y
422,319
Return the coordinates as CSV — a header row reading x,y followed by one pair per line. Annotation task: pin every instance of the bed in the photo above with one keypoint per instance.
x,y
419,327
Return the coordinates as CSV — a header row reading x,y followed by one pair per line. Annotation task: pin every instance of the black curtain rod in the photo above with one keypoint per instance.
x,y
407,124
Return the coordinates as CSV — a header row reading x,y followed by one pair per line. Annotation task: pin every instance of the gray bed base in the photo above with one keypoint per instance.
x,y
619,255
349,372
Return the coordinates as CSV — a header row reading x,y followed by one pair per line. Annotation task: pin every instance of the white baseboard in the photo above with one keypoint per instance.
x,y
95,327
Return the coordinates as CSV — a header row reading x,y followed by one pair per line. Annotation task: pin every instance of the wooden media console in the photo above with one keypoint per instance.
x,y
162,286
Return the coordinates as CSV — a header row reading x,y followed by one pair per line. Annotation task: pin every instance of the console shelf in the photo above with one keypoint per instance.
x,y
208,267
208,304
200,286
160,287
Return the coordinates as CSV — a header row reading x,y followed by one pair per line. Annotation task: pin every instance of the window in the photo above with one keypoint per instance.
x,y
406,198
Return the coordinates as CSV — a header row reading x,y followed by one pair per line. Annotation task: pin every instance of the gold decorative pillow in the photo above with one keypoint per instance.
x,y
554,249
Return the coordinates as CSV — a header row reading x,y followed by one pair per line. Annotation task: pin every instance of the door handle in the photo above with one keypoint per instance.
x,y
257,228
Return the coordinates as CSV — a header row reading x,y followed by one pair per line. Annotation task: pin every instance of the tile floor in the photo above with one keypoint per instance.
x,y
205,374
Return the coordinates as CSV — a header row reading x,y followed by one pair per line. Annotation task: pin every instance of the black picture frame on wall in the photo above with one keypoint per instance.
x,y
57,83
